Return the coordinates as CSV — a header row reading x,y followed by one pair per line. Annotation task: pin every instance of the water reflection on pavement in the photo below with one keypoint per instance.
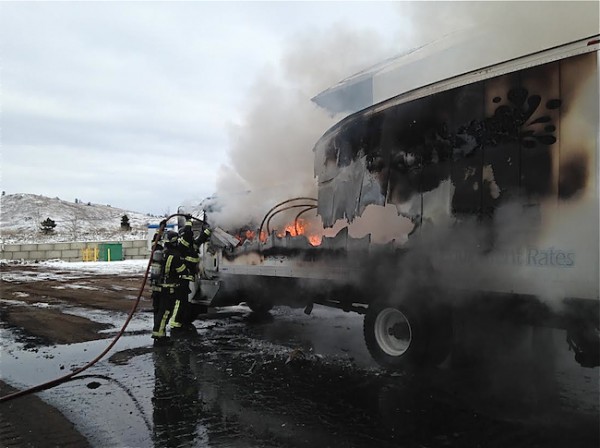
x,y
234,389
290,380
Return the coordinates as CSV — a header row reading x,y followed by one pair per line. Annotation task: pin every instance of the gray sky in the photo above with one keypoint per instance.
x,y
132,104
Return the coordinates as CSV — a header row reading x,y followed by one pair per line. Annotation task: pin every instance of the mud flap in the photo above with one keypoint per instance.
x,y
193,291
584,341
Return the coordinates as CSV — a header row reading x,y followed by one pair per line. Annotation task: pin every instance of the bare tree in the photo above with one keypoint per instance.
x,y
36,215
73,225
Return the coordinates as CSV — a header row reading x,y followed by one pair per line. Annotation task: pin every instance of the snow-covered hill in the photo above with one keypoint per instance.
x,y
21,216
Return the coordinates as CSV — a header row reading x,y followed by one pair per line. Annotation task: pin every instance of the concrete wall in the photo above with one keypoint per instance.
x,y
132,250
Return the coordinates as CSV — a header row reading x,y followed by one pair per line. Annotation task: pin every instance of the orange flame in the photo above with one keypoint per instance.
x,y
301,227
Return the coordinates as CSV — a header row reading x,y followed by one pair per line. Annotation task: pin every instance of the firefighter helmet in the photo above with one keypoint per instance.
x,y
171,237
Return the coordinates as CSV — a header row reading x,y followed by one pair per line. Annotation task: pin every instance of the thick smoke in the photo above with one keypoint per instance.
x,y
271,156
437,20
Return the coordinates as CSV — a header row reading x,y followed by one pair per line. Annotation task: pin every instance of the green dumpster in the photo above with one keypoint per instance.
x,y
110,252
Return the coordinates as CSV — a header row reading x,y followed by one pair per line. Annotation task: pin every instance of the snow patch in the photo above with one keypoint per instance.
x,y
13,302
102,267
21,216
69,271
41,305
20,294
71,286
32,276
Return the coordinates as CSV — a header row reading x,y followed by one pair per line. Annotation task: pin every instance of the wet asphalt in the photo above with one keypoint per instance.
x,y
286,379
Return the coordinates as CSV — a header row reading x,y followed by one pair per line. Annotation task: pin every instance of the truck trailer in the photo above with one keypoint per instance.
x,y
488,154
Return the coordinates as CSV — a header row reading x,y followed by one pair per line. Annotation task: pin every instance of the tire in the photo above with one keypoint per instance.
x,y
399,336
393,335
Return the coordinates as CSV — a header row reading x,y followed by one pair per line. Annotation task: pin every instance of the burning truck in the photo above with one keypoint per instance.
x,y
488,155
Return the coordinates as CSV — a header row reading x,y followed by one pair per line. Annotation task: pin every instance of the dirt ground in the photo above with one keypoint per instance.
x,y
278,380
30,422
104,292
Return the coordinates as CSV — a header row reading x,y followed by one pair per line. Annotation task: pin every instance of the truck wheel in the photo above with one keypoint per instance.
x,y
394,335
259,306
408,334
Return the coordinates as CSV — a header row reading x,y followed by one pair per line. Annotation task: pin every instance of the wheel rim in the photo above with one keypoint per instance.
x,y
393,332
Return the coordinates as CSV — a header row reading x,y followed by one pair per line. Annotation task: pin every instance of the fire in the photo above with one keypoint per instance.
x,y
301,227
314,240
249,235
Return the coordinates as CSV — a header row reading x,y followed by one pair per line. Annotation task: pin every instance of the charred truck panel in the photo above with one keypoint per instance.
x,y
495,174
512,159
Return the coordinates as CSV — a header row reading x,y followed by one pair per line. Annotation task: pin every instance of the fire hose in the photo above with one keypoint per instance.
x,y
305,207
273,211
70,376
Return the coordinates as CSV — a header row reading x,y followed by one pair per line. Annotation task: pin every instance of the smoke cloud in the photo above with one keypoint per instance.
x,y
270,155
436,20
271,158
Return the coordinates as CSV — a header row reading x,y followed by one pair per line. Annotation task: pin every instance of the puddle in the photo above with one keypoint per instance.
x,y
140,322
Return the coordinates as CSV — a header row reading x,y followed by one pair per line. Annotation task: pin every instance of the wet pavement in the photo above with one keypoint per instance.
x,y
291,380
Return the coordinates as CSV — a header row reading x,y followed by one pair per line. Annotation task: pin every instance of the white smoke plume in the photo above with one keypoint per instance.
x,y
271,158
436,20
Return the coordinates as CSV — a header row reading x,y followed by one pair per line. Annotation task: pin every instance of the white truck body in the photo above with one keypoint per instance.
x,y
521,141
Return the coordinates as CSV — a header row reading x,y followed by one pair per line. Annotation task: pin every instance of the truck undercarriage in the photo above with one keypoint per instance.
x,y
408,326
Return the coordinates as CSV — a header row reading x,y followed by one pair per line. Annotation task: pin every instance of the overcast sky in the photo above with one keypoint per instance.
x,y
149,105
132,104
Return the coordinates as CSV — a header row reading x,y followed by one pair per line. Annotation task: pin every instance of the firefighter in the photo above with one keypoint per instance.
x,y
189,248
173,269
